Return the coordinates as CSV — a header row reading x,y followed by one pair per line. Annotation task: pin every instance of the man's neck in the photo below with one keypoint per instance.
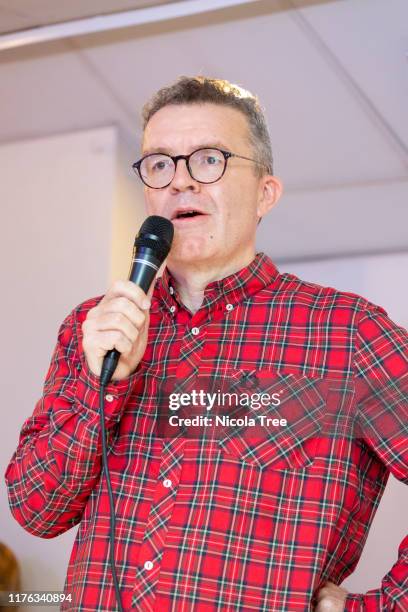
x,y
191,280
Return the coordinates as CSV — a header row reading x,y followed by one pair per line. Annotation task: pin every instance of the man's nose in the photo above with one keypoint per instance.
x,y
182,179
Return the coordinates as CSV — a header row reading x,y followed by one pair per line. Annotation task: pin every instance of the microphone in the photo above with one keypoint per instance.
x,y
151,247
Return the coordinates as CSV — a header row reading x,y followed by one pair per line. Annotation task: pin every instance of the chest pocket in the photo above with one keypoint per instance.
x,y
284,419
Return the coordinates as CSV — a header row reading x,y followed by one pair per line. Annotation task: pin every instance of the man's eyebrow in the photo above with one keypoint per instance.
x,y
168,151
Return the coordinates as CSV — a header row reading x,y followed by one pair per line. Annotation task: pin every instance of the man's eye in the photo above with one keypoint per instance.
x,y
210,160
159,165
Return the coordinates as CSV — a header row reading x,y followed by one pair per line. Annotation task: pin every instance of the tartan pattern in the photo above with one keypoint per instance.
x,y
233,531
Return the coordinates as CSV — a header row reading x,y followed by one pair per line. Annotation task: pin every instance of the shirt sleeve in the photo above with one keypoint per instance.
x,y
58,458
381,387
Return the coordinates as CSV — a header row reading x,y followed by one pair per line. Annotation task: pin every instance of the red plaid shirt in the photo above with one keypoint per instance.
x,y
218,525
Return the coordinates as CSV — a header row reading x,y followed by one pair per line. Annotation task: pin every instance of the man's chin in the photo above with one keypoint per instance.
x,y
185,255
183,259
189,249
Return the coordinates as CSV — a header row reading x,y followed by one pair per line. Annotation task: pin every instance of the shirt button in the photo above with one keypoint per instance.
x,y
172,309
148,565
109,397
167,483
229,306
195,331
171,290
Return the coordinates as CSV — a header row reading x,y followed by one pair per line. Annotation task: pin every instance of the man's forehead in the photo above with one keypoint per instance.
x,y
194,126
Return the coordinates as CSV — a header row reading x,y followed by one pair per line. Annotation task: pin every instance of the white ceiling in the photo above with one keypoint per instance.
x,y
21,14
332,76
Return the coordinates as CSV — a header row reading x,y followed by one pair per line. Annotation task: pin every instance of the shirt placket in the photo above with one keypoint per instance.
x,y
152,548
153,545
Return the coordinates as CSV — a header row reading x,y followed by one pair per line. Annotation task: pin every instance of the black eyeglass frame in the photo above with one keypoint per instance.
x,y
175,158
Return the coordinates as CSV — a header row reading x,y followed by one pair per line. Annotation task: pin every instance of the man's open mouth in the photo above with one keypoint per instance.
x,y
186,214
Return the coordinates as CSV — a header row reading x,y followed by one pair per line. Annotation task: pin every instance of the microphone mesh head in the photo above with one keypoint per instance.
x,y
158,226
156,233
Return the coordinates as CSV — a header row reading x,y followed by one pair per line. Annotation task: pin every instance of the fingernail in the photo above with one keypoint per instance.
x,y
146,304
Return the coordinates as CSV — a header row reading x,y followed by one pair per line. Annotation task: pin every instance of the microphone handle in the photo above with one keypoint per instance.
x,y
144,268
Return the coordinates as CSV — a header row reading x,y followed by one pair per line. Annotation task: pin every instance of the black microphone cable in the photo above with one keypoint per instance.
x,y
110,494
151,247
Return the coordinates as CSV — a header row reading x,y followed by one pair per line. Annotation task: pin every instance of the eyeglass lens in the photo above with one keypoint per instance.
x,y
206,166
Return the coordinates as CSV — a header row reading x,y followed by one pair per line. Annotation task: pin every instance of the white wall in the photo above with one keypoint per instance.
x,y
128,213
383,281
67,205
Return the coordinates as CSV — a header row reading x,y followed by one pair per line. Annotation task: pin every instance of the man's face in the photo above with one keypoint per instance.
x,y
223,235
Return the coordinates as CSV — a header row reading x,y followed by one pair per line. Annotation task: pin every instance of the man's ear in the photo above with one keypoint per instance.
x,y
270,190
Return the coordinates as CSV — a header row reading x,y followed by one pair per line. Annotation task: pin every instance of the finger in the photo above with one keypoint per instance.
x,y
93,328
115,339
325,605
116,321
322,593
127,308
129,290
329,605
150,291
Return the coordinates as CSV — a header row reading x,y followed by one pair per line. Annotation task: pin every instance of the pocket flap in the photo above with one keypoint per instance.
x,y
283,433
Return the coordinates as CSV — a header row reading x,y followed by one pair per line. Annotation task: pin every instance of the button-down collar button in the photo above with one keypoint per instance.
x,y
167,483
195,331
109,397
148,565
172,309
171,290
229,307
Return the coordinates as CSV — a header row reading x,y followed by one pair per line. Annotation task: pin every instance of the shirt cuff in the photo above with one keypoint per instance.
x,y
369,602
117,392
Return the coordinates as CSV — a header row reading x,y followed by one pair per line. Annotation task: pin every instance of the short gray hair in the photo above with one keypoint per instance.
x,y
199,90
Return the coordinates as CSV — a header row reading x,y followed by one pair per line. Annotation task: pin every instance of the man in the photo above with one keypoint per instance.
x,y
209,525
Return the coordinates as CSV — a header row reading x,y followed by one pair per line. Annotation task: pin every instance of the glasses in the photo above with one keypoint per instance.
x,y
157,170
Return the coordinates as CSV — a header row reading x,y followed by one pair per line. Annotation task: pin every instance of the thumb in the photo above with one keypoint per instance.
x,y
151,289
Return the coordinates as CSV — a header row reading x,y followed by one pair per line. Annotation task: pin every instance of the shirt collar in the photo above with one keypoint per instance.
x,y
232,289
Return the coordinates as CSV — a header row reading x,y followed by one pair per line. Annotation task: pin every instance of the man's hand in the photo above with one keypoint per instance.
x,y
330,598
120,321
